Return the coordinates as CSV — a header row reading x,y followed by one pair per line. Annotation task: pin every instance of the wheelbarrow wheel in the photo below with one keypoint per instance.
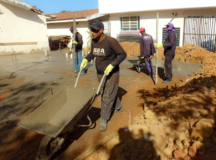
x,y
48,147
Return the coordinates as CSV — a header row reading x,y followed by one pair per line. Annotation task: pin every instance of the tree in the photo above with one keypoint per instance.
x,y
63,11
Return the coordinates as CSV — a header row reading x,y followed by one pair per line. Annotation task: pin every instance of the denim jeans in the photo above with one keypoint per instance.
x,y
78,60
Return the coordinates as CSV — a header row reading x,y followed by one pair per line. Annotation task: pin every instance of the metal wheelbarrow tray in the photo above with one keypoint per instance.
x,y
58,115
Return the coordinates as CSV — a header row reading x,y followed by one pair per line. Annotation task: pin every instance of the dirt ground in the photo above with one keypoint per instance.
x,y
178,125
176,121
187,53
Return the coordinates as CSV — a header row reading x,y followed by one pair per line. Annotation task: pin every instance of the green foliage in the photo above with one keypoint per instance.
x,y
64,11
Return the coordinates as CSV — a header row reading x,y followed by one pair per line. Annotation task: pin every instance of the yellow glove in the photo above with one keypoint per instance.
x,y
158,46
75,42
84,63
142,57
108,69
154,54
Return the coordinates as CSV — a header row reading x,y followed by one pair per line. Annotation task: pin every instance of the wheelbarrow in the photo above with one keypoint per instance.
x,y
57,117
138,64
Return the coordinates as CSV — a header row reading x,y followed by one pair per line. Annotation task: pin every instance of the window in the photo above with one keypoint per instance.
x,y
177,31
130,23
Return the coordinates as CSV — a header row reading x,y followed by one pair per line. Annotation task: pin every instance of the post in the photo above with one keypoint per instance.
x,y
45,51
156,76
74,33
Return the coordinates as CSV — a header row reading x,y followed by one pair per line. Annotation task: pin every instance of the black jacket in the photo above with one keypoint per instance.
x,y
146,45
78,39
170,43
108,51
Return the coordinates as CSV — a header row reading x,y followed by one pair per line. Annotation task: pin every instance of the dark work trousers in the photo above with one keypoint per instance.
x,y
168,65
149,66
109,98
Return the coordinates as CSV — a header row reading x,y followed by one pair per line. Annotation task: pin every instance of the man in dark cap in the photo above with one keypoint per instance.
x,y
78,42
109,54
169,51
147,49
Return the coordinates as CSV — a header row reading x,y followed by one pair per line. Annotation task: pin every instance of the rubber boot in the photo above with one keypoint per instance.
x,y
103,125
119,110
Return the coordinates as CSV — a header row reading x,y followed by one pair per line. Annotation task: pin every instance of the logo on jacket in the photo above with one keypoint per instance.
x,y
147,37
98,52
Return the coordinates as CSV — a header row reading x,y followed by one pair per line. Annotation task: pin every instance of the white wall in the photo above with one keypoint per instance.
x,y
19,25
117,6
148,21
55,29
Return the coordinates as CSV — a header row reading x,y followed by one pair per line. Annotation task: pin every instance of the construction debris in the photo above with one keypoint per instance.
x,y
59,42
38,11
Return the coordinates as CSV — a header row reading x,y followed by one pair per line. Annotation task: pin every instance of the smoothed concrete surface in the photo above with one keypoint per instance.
x,y
179,69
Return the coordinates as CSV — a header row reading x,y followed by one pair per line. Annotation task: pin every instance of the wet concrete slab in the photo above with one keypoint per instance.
x,y
179,70
35,68
126,73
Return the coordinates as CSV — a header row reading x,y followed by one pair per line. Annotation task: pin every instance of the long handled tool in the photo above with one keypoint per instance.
x,y
93,98
78,77
98,91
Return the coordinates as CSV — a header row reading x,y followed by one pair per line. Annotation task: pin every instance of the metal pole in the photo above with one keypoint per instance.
x,y
156,77
74,33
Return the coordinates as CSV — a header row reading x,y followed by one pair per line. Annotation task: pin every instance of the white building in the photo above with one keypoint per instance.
x,y
195,21
21,29
63,21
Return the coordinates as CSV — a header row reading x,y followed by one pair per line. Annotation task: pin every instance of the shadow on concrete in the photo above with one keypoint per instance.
x,y
121,92
133,148
144,70
19,103
76,133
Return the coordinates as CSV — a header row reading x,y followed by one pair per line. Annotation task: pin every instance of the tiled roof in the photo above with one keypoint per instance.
x,y
69,15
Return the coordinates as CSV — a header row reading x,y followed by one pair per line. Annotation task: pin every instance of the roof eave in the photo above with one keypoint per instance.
x,y
18,4
66,21
155,10
93,16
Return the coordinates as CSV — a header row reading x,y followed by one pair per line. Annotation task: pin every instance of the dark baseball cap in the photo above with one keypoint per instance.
x,y
97,25
71,28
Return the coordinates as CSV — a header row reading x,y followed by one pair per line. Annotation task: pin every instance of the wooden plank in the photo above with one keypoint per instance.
x,y
156,76
100,144
17,43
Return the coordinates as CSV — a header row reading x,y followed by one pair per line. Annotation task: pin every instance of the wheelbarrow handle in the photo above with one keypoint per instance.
x,y
101,82
78,77
97,92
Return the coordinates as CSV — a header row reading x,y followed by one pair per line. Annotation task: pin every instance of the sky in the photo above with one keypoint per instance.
x,y
56,6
